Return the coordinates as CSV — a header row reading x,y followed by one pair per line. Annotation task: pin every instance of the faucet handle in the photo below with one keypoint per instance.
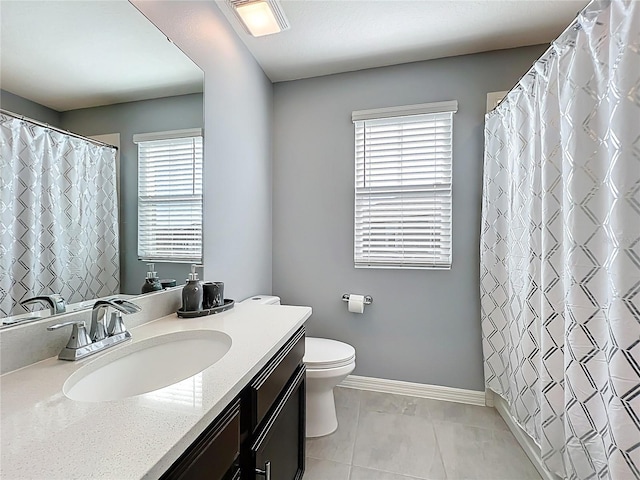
x,y
100,329
64,324
79,337
116,324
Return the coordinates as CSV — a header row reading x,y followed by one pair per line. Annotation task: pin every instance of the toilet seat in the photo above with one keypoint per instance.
x,y
323,353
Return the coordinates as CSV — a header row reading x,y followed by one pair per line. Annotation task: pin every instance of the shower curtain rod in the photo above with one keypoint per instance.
x,y
573,25
65,132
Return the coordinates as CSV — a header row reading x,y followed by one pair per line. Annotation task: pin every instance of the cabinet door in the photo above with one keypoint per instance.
x,y
214,455
279,444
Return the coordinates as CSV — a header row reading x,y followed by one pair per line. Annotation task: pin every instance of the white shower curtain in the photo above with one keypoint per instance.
x,y
58,216
560,248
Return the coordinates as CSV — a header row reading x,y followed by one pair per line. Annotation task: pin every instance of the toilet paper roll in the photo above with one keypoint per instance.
x,y
356,303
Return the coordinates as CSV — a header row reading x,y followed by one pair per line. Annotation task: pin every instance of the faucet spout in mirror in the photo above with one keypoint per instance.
x,y
55,302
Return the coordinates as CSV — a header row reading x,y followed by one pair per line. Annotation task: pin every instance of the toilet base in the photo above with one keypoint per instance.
x,y
320,402
321,414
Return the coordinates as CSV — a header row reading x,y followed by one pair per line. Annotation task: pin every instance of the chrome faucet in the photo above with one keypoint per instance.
x,y
55,302
98,328
101,336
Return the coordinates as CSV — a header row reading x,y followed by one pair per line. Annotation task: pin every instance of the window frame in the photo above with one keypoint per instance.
x,y
396,195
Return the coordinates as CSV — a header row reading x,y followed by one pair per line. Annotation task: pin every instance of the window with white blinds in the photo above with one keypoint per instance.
x,y
403,158
170,196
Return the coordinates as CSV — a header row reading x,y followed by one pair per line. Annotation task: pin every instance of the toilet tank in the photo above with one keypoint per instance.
x,y
263,300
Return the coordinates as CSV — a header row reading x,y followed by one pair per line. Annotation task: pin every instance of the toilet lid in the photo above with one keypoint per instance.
x,y
325,353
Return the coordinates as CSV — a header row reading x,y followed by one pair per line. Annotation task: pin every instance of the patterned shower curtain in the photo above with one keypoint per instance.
x,y
560,248
58,216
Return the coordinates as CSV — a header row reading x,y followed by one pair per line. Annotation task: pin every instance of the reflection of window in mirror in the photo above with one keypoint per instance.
x,y
170,196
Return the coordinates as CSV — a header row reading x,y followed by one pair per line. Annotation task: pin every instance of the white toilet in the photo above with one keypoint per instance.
x,y
328,363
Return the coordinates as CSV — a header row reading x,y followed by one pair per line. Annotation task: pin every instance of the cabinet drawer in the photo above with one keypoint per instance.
x,y
270,382
214,455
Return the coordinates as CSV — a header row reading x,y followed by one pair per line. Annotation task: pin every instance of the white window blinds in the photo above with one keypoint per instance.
x,y
170,196
403,162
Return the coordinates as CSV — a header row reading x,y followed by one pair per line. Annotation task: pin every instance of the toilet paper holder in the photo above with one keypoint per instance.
x,y
368,299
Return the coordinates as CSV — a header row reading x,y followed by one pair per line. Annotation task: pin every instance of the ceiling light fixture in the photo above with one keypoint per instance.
x,y
260,17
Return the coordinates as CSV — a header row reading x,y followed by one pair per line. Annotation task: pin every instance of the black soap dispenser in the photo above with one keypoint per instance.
x,y
151,283
192,292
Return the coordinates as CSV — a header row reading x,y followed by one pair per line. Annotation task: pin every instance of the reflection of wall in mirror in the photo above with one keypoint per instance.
x,y
162,114
30,109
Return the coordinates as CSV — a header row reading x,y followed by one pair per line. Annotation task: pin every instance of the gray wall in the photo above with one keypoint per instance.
x,y
424,326
127,119
33,110
237,144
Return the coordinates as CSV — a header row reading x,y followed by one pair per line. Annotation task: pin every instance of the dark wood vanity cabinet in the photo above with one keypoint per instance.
x,y
215,455
259,436
277,447
273,417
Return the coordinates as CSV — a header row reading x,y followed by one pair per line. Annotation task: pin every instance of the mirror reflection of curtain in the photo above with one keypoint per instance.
x,y
58,216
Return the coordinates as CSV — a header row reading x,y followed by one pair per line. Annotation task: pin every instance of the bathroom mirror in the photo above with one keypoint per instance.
x,y
99,69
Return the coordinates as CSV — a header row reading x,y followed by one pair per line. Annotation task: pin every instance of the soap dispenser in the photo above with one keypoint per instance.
x,y
152,283
192,292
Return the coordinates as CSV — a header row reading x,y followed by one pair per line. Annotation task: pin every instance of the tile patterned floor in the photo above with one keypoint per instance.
x,y
393,437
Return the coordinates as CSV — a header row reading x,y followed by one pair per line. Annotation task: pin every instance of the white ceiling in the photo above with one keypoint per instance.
x,y
76,54
68,55
332,36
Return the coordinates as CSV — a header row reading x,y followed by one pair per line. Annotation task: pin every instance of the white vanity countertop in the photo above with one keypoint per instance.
x,y
45,435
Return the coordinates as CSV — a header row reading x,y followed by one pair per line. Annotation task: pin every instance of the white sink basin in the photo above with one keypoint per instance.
x,y
147,365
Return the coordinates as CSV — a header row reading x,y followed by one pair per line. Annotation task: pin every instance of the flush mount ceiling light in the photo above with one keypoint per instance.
x,y
260,17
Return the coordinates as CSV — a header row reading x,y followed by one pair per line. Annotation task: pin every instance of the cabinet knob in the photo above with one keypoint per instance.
x,y
266,472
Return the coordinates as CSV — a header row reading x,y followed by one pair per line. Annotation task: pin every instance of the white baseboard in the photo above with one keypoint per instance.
x,y
489,398
434,392
526,442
